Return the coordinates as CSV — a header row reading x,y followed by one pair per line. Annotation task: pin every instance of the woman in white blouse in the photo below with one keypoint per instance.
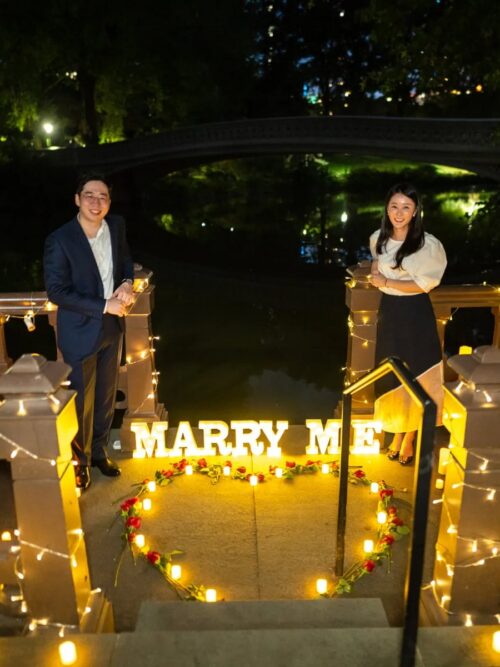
x,y
407,264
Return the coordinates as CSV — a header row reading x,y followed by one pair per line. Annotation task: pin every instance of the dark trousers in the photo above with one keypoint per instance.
x,y
95,380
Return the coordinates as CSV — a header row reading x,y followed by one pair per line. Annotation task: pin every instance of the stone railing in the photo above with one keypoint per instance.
x,y
138,377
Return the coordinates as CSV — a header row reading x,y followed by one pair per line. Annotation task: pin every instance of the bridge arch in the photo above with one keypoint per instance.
x,y
471,144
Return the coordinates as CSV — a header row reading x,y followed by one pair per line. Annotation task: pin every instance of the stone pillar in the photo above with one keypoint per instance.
x,y
37,425
139,378
467,566
5,360
363,302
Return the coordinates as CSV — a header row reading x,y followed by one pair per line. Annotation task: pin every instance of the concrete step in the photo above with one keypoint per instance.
x,y
341,647
262,614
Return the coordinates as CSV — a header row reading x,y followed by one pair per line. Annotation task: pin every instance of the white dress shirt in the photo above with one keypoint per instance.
x,y
101,248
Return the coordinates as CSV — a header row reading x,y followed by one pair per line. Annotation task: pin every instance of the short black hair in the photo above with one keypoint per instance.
x,y
83,179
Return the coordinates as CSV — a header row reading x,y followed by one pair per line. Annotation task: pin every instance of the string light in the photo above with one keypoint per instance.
x,y
16,448
491,492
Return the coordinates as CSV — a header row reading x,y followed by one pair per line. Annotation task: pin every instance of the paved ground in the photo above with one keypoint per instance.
x,y
269,542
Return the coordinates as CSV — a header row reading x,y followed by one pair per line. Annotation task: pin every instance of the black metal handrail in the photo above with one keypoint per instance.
x,y
421,491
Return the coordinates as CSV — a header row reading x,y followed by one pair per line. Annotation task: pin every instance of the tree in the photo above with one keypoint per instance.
x,y
441,55
111,70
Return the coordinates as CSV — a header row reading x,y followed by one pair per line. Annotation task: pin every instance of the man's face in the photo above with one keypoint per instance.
x,y
93,201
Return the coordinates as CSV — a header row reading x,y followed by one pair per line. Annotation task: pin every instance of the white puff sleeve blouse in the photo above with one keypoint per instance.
x,y
425,267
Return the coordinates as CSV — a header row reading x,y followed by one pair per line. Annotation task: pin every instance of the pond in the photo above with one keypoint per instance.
x,y
251,325
250,328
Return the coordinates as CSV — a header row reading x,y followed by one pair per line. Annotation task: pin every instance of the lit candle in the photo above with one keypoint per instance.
x,y
374,487
321,586
439,484
381,517
368,546
146,504
226,471
188,469
325,469
444,457
211,595
254,480
140,540
67,653
6,536
175,572
495,641
152,486
465,349
278,473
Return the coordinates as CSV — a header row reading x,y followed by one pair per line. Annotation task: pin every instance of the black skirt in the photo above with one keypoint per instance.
x,y
407,329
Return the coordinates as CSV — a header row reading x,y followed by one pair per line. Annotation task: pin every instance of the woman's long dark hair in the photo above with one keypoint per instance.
x,y
415,237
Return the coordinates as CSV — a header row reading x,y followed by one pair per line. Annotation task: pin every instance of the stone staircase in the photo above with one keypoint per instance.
x,y
350,632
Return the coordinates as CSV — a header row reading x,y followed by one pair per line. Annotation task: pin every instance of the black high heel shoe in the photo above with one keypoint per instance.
x,y
406,460
393,454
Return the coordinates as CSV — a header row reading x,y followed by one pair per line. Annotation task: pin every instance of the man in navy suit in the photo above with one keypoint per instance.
x,y
89,275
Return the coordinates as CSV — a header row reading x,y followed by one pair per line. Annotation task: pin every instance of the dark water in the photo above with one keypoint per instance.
x,y
248,329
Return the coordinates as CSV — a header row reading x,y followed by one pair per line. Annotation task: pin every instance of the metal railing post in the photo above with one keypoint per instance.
x,y
344,472
421,493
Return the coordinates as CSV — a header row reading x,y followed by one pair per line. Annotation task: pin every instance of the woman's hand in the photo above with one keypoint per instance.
x,y
377,280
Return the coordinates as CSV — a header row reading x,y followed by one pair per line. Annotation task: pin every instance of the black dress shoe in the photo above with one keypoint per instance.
x,y
82,476
107,467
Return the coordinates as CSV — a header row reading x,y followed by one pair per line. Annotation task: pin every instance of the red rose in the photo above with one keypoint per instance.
x,y
261,477
241,469
203,463
311,463
359,474
153,557
386,493
167,473
131,537
392,509
397,521
229,464
387,539
290,464
369,565
127,504
134,521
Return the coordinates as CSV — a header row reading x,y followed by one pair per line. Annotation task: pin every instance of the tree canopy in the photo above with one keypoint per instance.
x,y
102,72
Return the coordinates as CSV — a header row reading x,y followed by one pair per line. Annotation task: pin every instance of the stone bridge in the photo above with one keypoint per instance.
x,y
472,144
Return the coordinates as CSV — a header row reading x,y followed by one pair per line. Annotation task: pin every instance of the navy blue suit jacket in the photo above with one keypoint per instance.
x,y
73,283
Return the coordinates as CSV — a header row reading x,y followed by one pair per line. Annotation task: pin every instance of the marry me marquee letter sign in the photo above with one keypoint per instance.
x,y
249,437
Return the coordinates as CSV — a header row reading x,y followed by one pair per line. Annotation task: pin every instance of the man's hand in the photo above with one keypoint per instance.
x,y
115,306
124,293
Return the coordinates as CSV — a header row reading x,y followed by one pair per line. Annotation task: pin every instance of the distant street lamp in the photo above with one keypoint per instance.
x,y
343,217
48,128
